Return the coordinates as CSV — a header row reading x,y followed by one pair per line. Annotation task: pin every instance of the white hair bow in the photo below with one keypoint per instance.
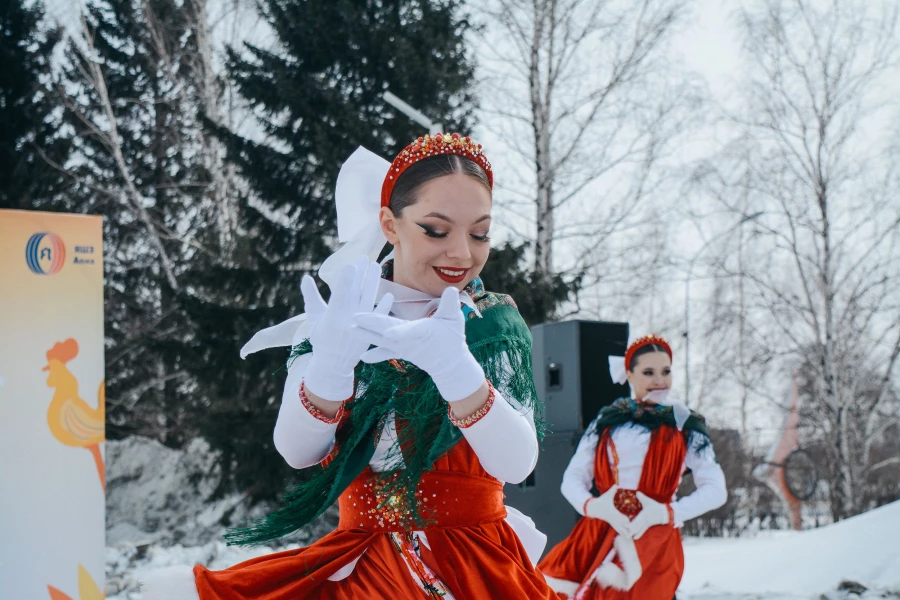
x,y
617,369
357,197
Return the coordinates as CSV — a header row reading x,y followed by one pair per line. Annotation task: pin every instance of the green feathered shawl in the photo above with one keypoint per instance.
x,y
626,410
501,343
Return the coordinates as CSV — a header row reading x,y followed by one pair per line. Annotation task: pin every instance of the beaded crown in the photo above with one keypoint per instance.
x,y
428,146
646,340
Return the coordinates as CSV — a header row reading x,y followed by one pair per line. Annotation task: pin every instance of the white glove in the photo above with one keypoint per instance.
x,y
437,345
604,509
337,344
652,513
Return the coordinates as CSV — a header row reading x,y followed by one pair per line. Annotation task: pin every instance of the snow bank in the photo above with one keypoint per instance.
x,y
865,549
126,563
161,495
160,512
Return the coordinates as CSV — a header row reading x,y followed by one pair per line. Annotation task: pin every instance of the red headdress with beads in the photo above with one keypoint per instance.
x,y
646,340
428,146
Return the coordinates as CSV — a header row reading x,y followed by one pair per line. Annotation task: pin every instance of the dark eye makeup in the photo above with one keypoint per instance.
x,y
433,233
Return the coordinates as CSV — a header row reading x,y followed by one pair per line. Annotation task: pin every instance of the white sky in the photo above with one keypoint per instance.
x,y
710,46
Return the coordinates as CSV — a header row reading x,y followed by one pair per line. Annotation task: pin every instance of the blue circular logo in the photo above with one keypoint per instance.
x,y
45,253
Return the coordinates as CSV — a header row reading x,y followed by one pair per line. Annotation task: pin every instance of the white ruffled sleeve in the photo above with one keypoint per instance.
x,y
302,439
709,480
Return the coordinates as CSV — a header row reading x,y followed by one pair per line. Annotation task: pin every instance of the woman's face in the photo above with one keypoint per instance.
x,y
652,371
443,239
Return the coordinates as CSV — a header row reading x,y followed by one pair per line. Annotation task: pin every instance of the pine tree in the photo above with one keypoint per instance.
x,y
537,295
32,150
132,108
320,94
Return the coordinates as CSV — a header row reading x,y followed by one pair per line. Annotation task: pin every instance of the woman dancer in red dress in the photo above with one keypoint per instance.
x,y
628,545
415,437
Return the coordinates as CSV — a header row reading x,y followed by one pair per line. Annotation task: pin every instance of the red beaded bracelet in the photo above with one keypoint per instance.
x,y
478,414
314,411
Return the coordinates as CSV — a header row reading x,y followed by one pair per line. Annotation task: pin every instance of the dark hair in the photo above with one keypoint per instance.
x,y
409,182
645,350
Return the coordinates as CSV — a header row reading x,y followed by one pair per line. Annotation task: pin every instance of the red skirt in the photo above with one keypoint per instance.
x,y
577,558
471,551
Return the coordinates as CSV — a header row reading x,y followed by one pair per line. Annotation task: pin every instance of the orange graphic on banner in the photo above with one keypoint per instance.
x,y
72,421
87,588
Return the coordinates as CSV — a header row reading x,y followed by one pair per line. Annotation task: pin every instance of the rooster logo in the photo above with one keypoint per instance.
x,y
73,421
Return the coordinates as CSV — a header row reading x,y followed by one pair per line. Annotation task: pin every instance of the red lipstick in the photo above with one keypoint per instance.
x,y
451,274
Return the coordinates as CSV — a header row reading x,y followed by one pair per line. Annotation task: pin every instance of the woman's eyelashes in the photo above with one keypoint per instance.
x,y
649,372
431,232
434,233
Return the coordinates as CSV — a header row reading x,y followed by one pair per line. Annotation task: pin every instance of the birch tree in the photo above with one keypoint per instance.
x,y
579,93
129,98
820,277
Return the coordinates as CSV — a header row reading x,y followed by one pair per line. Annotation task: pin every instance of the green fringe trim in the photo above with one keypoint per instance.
x,y
626,410
501,343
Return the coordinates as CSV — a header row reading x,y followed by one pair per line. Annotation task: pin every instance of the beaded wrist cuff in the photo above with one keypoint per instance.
x,y
478,414
318,414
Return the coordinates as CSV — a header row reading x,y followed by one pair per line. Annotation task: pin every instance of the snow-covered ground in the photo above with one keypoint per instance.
x,y
165,496
162,511
127,562
860,555
793,565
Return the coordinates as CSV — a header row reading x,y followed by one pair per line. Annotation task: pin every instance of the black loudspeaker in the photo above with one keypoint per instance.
x,y
539,496
571,369
571,374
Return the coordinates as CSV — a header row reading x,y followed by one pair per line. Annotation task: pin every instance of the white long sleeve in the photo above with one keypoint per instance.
x,y
505,440
710,481
300,438
578,478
